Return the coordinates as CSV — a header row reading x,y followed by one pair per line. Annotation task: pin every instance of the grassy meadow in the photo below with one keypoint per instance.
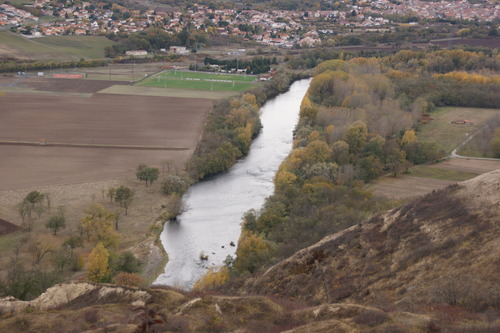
x,y
447,135
54,47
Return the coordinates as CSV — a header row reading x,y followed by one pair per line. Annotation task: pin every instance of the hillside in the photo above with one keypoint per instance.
x,y
429,266
441,248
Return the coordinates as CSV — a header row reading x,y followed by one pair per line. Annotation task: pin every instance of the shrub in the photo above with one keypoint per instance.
x,y
371,318
128,279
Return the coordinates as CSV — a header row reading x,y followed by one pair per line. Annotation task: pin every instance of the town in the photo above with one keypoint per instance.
x,y
283,28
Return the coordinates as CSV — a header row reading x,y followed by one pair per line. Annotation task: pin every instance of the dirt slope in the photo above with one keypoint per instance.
x,y
443,247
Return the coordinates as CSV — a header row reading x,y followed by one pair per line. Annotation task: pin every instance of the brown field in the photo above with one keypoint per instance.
x,y
491,43
66,85
7,228
102,119
405,186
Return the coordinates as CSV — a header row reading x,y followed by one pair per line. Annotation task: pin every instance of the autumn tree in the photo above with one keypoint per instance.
x,y
355,136
98,264
252,252
97,226
396,161
408,137
124,196
340,152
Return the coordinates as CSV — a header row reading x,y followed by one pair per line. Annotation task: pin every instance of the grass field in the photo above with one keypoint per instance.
x,y
447,135
53,48
199,81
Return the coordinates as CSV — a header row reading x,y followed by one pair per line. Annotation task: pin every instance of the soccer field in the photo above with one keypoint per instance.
x,y
200,81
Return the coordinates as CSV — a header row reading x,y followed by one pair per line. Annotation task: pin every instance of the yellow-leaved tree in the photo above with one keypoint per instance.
x,y
252,252
212,279
98,226
98,264
408,137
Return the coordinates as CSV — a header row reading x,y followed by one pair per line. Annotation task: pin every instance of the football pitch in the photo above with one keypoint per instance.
x,y
199,81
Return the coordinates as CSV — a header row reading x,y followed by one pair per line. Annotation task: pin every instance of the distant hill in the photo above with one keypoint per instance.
x,y
442,248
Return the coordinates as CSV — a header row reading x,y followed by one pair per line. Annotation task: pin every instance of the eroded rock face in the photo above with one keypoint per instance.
x,y
72,292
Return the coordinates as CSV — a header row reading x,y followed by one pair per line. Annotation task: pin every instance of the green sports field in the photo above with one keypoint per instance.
x,y
199,81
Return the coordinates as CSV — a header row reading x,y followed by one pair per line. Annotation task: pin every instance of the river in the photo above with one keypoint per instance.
x,y
216,205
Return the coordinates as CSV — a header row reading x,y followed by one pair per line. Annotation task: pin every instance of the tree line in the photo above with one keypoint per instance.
x,y
353,128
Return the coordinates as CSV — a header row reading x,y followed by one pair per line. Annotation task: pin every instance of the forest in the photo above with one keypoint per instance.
x,y
358,122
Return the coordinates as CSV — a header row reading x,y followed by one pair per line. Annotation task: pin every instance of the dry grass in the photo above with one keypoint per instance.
x,y
447,135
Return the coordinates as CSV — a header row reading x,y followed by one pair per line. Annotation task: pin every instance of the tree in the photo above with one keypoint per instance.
x,y
98,264
38,250
33,202
396,161
174,184
111,193
128,263
175,206
56,222
62,257
34,197
148,174
340,152
408,137
355,136
124,197
97,226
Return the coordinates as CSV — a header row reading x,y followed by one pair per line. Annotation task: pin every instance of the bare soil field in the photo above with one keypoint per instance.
x,y
167,92
67,85
102,119
405,186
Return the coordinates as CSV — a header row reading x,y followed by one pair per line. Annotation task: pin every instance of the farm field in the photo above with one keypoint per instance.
x,y
53,48
425,178
199,81
447,135
431,177
101,119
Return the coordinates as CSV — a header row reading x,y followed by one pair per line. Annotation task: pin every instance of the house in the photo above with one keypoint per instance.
x,y
178,50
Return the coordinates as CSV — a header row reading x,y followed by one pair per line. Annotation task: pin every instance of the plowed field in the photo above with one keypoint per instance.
x,y
103,119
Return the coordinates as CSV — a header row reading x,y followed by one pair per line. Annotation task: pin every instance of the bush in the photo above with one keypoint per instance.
x,y
371,318
128,279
